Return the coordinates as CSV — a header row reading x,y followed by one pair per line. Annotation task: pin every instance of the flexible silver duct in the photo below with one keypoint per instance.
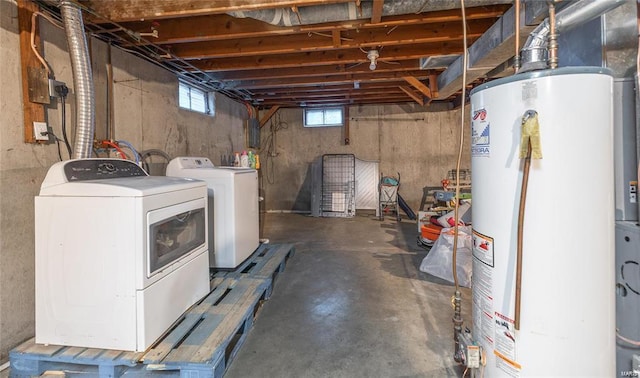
x,y
82,79
316,14
534,53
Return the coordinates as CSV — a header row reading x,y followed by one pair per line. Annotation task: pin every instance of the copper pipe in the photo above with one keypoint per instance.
x,y
457,314
523,201
553,37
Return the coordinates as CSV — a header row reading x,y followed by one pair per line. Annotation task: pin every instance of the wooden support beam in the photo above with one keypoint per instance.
x,y
376,11
268,115
33,112
415,96
297,43
344,101
418,85
319,58
372,76
310,71
335,34
433,85
218,27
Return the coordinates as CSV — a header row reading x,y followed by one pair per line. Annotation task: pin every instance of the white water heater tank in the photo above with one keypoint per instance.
x,y
567,315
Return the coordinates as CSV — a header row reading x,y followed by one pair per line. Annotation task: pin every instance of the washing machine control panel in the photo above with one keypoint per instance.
x,y
96,169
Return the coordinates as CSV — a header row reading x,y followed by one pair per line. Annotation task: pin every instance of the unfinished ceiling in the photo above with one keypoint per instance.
x,y
299,53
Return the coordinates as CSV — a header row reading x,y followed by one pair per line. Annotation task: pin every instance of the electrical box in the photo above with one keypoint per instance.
x,y
627,297
52,87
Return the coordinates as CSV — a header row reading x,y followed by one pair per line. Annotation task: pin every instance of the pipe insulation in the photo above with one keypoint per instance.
x,y
348,11
534,53
82,79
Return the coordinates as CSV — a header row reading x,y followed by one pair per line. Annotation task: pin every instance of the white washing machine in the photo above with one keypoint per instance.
x,y
119,255
233,208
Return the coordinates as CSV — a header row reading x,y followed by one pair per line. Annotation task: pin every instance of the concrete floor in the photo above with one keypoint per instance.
x,y
351,303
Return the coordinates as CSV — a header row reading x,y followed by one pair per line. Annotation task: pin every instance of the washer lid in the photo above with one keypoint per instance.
x,y
189,167
188,162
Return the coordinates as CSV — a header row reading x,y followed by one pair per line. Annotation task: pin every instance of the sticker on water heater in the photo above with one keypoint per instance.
x,y
505,345
480,134
511,368
483,248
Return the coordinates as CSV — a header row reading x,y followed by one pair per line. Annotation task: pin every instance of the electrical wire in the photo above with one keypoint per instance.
x,y
34,16
136,155
116,147
148,153
62,91
627,340
58,140
154,53
269,150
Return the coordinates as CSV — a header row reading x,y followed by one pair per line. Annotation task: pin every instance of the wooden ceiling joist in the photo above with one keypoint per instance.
x,y
376,11
296,43
313,71
415,96
218,27
319,58
316,64
326,87
345,101
302,81
329,94
417,84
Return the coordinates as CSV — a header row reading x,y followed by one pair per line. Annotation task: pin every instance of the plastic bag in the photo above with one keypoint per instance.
x,y
438,261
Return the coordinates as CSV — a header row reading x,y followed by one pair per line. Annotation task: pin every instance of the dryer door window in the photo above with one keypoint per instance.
x,y
174,237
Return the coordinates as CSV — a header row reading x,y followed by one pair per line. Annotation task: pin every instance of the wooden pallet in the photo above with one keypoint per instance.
x,y
266,263
201,344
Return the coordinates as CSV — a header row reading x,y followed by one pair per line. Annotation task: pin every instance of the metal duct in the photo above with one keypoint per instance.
x,y
82,79
349,11
534,53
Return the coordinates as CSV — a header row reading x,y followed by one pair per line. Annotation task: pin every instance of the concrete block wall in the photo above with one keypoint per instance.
x,y
146,114
421,145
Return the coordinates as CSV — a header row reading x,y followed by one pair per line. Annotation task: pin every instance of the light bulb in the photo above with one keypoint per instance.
x,y
373,55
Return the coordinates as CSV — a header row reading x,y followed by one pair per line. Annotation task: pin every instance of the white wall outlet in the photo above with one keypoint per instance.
x,y
40,131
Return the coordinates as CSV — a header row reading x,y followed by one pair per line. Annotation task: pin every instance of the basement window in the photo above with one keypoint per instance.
x,y
321,117
195,99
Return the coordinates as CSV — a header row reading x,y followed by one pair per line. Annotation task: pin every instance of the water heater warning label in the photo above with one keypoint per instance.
x,y
505,345
483,248
482,293
480,134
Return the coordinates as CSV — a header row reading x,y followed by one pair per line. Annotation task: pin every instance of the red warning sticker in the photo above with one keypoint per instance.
x,y
483,248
